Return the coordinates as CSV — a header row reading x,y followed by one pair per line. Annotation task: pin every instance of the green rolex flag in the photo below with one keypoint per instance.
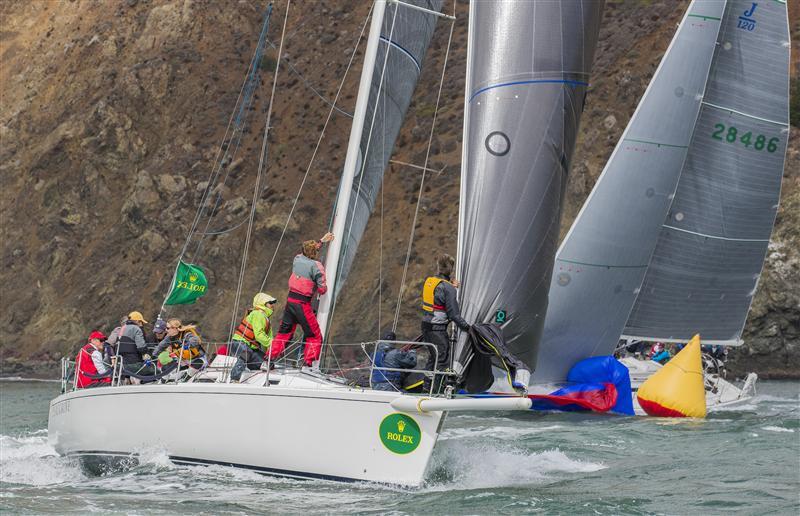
x,y
190,284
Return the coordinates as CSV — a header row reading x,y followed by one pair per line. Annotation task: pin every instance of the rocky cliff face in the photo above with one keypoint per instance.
x,y
111,115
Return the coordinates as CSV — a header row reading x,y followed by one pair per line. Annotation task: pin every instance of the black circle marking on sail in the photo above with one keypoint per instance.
x,y
497,143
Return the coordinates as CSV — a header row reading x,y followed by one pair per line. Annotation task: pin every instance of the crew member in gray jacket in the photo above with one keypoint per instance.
x,y
439,307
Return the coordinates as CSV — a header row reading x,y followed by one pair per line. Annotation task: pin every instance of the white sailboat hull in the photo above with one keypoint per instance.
x,y
314,430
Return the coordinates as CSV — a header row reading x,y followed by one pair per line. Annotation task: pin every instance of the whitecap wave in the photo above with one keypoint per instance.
x,y
496,432
777,429
738,407
22,379
761,398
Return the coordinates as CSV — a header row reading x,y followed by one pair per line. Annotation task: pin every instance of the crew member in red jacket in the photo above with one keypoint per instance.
x,y
90,362
306,281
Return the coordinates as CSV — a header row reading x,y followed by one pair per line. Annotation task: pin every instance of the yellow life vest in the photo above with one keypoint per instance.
x,y
187,354
427,294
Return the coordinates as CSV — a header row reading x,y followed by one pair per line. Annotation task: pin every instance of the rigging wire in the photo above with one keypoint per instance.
x,y
214,169
422,181
316,149
259,175
243,104
364,159
380,245
239,126
308,85
228,230
418,167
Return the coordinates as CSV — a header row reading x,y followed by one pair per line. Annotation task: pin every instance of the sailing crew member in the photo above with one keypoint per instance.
x,y
181,341
306,281
128,341
158,335
439,307
89,363
660,354
387,356
253,337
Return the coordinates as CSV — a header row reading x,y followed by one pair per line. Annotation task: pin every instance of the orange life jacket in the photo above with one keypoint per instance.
x,y
245,329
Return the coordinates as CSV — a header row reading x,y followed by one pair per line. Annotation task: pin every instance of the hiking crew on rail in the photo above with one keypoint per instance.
x,y
306,281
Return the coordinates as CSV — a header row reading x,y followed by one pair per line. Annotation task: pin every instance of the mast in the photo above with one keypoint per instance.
x,y
464,155
350,164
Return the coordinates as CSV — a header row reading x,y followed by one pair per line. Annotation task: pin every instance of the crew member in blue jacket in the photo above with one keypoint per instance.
x,y
390,357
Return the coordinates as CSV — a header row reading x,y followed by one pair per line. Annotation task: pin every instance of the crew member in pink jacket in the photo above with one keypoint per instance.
x,y
306,281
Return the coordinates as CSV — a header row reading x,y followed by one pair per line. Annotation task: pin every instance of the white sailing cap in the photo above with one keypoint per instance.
x,y
262,299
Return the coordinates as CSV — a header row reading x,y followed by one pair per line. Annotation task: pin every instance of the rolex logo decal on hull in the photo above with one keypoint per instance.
x,y
399,433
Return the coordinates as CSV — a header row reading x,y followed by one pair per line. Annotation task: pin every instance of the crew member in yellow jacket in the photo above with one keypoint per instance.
x,y
253,337
678,388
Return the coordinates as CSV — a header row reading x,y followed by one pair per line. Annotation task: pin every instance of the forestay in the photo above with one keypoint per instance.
x,y
404,39
711,247
603,259
528,66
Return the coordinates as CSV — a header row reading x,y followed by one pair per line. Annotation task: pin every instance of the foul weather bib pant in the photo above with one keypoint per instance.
x,y
245,357
298,311
437,335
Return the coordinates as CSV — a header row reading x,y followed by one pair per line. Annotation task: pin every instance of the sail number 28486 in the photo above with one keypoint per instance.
x,y
730,134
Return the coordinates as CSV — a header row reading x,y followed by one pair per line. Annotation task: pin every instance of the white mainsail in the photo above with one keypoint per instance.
x,y
389,77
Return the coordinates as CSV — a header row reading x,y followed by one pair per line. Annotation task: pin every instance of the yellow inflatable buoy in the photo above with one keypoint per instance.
x,y
677,389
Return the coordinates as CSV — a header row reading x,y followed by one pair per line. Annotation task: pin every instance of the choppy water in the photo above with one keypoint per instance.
x,y
744,459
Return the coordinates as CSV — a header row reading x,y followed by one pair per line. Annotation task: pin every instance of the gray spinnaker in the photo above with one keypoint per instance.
x,y
603,259
405,35
528,68
710,251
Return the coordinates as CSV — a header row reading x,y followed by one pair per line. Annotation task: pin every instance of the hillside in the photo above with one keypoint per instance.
x,y
111,114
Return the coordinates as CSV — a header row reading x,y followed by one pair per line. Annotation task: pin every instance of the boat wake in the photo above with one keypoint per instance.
x,y
777,429
495,432
463,465
30,460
